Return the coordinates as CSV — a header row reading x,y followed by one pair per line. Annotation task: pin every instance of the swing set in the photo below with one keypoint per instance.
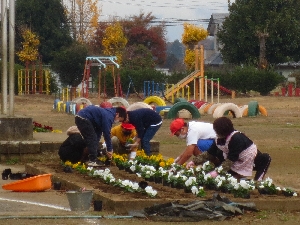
x,y
103,62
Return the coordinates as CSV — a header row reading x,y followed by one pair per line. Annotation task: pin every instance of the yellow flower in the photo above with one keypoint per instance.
x,y
162,164
68,163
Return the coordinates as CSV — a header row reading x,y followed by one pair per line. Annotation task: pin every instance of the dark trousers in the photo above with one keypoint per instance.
x,y
148,135
89,135
261,164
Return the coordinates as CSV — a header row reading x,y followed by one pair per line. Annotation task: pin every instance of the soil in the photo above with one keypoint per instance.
x,y
277,134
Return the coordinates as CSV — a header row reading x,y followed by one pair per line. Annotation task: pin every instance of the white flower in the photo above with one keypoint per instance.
x,y
205,165
219,184
135,186
126,183
90,168
132,168
198,168
206,176
268,181
149,190
278,188
97,172
244,184
190,181
295,194
194,190
219,169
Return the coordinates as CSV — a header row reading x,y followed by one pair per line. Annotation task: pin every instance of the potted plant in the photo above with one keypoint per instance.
x,y
189,183
267,187
289,192
198,191
119,161
242,189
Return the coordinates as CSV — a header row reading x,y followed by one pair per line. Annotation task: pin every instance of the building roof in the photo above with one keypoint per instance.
x,y
216,19
214,59
208,43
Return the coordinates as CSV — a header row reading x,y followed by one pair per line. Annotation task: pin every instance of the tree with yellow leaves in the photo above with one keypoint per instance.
x,y
29,52
114,41
83,16
190,37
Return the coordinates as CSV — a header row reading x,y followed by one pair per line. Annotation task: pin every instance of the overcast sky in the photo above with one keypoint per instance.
x,y
173,12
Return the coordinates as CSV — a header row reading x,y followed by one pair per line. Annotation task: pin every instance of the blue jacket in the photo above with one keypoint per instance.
x,y
142,119
102,120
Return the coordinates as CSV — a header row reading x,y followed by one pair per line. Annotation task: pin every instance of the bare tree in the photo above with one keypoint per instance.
x,y
83,17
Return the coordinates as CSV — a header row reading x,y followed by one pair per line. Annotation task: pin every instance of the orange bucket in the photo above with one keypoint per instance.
x,y
31,184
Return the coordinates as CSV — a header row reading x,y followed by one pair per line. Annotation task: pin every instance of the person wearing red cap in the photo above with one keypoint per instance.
x,y
199,137
120,135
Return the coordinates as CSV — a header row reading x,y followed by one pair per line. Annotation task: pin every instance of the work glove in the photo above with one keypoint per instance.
x,y
213,174
200,159
109,154
190,165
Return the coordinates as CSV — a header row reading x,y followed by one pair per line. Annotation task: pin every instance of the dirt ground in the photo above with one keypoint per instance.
x,y
277,134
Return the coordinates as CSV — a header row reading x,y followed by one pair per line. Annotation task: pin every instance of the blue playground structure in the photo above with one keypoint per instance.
x,y
152,88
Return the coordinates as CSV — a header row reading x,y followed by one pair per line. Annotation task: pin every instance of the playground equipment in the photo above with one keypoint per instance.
x,y
199,80
152,88
101,62
184,90
183,105
33,81
68,94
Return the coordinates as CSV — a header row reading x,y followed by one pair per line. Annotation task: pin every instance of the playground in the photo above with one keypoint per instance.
x,y
271,122
276,134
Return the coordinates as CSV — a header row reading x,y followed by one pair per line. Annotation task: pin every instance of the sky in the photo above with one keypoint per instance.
x,y
173,12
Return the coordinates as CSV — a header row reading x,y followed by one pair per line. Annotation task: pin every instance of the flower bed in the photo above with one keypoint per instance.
x,y
37,127
196,180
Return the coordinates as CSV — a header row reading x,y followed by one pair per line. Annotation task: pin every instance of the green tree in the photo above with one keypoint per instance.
x,y
48,20
137,57
69,64
278,19
247,78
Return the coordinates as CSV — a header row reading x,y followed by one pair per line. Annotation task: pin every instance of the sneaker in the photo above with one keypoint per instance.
x,y
95,163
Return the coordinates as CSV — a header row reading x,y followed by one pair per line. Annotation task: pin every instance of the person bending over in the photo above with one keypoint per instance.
x,y
122,136
235,152
199,137
93,121
147,122
73,149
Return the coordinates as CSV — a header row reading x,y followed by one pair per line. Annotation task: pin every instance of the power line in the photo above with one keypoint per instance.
x,y
180,4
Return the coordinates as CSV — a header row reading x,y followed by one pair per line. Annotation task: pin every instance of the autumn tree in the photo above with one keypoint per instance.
x,y
190,37
114,41
277,21
83,16
139,30
95,45
29,52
